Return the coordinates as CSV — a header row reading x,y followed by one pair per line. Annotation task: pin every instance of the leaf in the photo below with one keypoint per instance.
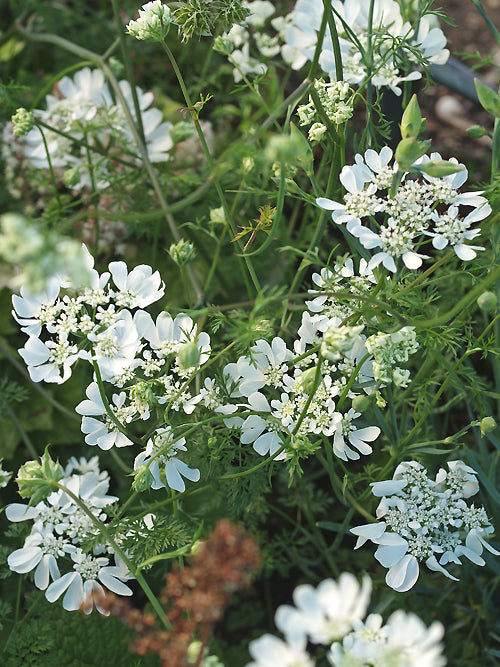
x,y
488,98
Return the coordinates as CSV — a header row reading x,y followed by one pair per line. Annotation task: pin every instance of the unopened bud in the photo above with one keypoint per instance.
x,y
487,424
487,302
188,356
307,379
476,131
339,340
360,403
223,45
143,479
23,122
37,479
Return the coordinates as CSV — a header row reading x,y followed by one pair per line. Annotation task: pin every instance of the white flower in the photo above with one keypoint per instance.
x,y
265,365
138,288
168,335
34,310
82,584
160,457
50,361
450,228
40,551
430,522
359,200
104,433
358,438
325,613
263,432
269,651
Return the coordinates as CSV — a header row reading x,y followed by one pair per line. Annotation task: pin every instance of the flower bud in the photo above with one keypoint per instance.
x,y
143,479
440,168
4,476
223,45
487,302
188,356
307,379
36,480
339,340
476,131
23,122
182,252
487,424
411,120
71,177
380,400
360,403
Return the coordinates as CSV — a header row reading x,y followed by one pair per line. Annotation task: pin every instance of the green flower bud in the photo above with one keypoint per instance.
x,y
409,150
477,131
287,148
23,122
380,400
487,302
223,45
440,168
487,424
36,480
411,121
143,479
188,356
339,340
307,379
361,403
182,252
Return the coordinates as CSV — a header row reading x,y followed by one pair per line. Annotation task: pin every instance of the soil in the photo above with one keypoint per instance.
x,y
449,114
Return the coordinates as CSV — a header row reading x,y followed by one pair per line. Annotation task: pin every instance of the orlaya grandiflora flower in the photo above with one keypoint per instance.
x,y
83,586
160,458
426,520
104,432
50,361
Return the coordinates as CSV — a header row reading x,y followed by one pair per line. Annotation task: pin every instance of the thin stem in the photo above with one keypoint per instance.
x,y
208,156
24,436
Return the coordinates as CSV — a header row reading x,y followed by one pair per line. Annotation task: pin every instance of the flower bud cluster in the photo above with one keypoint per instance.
x,y
336,101
153,23
426,520
390,350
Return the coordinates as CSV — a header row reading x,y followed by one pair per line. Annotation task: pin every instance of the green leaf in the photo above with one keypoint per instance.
x,y
488,98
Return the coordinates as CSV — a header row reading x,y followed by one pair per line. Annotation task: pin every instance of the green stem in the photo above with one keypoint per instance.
x,y
208,156
51,169
24,436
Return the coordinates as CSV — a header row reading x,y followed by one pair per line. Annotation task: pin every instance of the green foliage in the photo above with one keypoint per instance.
x,y
52,637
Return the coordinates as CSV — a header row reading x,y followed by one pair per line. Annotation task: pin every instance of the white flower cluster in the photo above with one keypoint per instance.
x,y
394,42
56,540
422,208
333,615
153,23
151,362
337,102
426,520
390,350
284,399
84,117
239,37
